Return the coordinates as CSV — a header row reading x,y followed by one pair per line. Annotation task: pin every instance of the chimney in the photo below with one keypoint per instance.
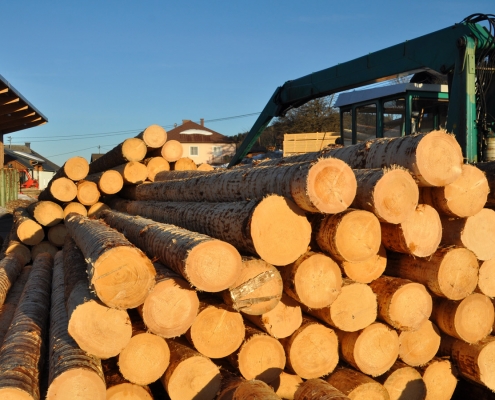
x,y
202,121
185,120
28,144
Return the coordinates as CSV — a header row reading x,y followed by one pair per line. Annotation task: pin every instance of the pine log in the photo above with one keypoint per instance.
x,y
230,381
43,247
73,373
420,346
391,194
119,388
171,306
154,136
7,309
354,308
440,378
318,389
325,186
75,207
170,151
419,235
286,385
352,235
434,158
132,172
470,319
357,385
119,273
87,193
22,352
208,264
489,169
96,328
368,270
312,350
10,268
280,322
96,209
259,357
183,164
274,228
462,198
75,168
205,167
178,175
486,278
60,190
217,331
190,375
146,357
474,362
449,272
109,182
372,350
155,165
26,229
254,389
16,247
257,289
46,213
476,233
56,235
132,149
403,382
403,304
314,280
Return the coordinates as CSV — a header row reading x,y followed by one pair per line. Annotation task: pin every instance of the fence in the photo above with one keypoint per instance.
x,y
9,185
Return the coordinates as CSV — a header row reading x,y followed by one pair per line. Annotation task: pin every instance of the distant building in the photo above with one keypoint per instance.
x,y
201,144
23,158
95,156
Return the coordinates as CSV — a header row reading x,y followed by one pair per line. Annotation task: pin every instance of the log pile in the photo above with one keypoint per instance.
x,y
364,272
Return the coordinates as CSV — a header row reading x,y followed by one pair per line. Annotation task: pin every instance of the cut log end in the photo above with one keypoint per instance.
x,y
205,167
77,383
75,207
318,389
254,389
478,234
172,150
368,270
156,165
439,159
184,164
43,247
30,232
458,274
170,308
134,149
474,318
46,213
97,208
144,359
128,391
110,182
405,383
11,393
440,380
279,230
76,168
213,266
395,196
331,186
418,347
123,277
63,189
286,385
357,385
56,235
99,330
486,279
410,306
485,364
154,136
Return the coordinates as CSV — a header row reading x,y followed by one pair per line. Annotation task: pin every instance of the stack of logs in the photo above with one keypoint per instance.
x,y
362,272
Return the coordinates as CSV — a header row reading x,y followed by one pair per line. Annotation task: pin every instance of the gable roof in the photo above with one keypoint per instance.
x,y
28,157
191,132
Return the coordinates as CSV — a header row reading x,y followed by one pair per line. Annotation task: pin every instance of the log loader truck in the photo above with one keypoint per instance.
x,y
452,87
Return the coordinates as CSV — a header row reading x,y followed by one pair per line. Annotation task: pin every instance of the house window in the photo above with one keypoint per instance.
x,y
217,151
193,151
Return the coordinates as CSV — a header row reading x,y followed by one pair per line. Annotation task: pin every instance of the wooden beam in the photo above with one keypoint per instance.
x,y
10,108
14,116
19,123
25,126
8,99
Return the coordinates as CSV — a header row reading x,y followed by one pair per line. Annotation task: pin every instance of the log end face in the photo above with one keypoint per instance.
x,y
213,265
111,182
368,270
30,233
284,319
134,149
11,393
419,347
474,318
438,159
77,383
422,231
355,308
486,278
261,357
154,136
405,383
279,230
128,391
172,150
458,274
76,168
331,186
486,361
63,189
479,234
410,306
440,380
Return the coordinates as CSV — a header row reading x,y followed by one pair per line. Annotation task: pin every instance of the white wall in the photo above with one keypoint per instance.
x,y
43,177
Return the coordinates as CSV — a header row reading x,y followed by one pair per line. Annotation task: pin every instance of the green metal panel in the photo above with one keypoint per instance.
x,y
437,51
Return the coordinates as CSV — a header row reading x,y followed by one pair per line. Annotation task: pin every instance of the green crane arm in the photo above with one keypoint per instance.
x,y
449,50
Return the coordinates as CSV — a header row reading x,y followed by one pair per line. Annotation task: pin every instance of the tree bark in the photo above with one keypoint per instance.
x,y
254,389
43,247
208,264
178,175
73,373
314,389
120,274
357,385
22,351
10,268
56,235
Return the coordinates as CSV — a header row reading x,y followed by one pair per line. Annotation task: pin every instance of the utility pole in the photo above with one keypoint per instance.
x,y
99,149
10,140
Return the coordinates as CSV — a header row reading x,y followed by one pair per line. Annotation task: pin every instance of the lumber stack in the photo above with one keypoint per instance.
x,y
368,273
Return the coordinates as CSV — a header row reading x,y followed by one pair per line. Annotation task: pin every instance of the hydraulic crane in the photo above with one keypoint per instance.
x,y
464,53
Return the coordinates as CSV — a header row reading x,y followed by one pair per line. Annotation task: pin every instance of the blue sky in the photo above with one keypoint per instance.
x,y
108,68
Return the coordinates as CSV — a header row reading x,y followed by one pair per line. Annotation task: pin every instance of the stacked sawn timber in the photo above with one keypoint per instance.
x,y
366,334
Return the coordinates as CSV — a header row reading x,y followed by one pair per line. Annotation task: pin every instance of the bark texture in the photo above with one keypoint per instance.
x,y
10,268
314,389
357,385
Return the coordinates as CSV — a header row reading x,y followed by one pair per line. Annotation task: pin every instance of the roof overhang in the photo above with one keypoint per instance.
x,y
16,113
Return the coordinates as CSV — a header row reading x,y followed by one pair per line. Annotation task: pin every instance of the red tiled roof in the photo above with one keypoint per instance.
x,y
215,137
